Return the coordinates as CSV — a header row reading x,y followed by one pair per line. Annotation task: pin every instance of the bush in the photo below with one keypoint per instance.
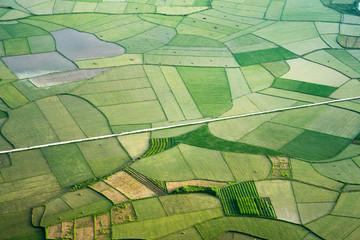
x,y
197,189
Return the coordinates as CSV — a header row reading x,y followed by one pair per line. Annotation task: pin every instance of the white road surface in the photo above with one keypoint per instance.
x,y
176,125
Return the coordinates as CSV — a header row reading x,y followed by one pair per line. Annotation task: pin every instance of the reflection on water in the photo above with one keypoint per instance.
x,y
79,45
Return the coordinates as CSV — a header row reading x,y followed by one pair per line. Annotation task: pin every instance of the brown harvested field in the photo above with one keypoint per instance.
x,y
66,77
102,227
54,232
123,213
103,234
67,229
100,186
114,195
84,228
281,167
285,166
111,193
129,186
274,160
61,230
103,221
283,159
85,222
86,233
171,186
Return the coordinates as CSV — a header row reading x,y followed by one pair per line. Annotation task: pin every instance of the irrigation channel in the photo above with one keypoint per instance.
x,y
177,125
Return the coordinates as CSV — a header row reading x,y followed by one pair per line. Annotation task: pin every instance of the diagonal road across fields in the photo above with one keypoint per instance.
x,y
177,125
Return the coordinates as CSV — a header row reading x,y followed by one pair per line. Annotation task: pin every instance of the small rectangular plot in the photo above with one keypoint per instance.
x,y
181,93
275,9
60,119
129,186
134,113
84,7
237,82
121,60
40,44
103,155
126,31
191,30
2,49
68,164
117,85
119,97
206,164
164,94
114,196
63,7
111,7
108,22
12,97
17,46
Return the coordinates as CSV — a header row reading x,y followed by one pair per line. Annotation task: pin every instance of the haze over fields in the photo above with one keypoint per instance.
x,y
76,69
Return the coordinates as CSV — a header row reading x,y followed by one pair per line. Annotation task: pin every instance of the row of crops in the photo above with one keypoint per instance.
x,y
243,199
155,185
158,145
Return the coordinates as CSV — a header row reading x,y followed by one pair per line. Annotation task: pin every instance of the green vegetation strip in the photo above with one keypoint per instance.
x,y
158,145
196,189
243,199
303,87
264,56
177,125
205,139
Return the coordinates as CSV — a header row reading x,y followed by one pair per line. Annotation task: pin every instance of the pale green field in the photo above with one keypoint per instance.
x,y
184,61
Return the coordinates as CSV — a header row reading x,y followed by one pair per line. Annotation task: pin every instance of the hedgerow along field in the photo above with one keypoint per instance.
x,y
154,63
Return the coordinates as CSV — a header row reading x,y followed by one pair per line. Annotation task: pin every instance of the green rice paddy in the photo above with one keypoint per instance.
x,y
76,69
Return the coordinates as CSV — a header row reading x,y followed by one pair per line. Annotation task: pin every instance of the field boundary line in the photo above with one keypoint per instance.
x,y
177,125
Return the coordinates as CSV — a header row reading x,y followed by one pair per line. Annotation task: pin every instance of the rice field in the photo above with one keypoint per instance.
x,y
86,68
282,198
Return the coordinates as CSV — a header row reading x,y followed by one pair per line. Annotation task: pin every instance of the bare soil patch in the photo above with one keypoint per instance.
x,y
66,77
129,186
285,166
61,230
84,233
100,186
54,232
280,167
123,213
102,227
274,160
114,195
67,229
85,222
